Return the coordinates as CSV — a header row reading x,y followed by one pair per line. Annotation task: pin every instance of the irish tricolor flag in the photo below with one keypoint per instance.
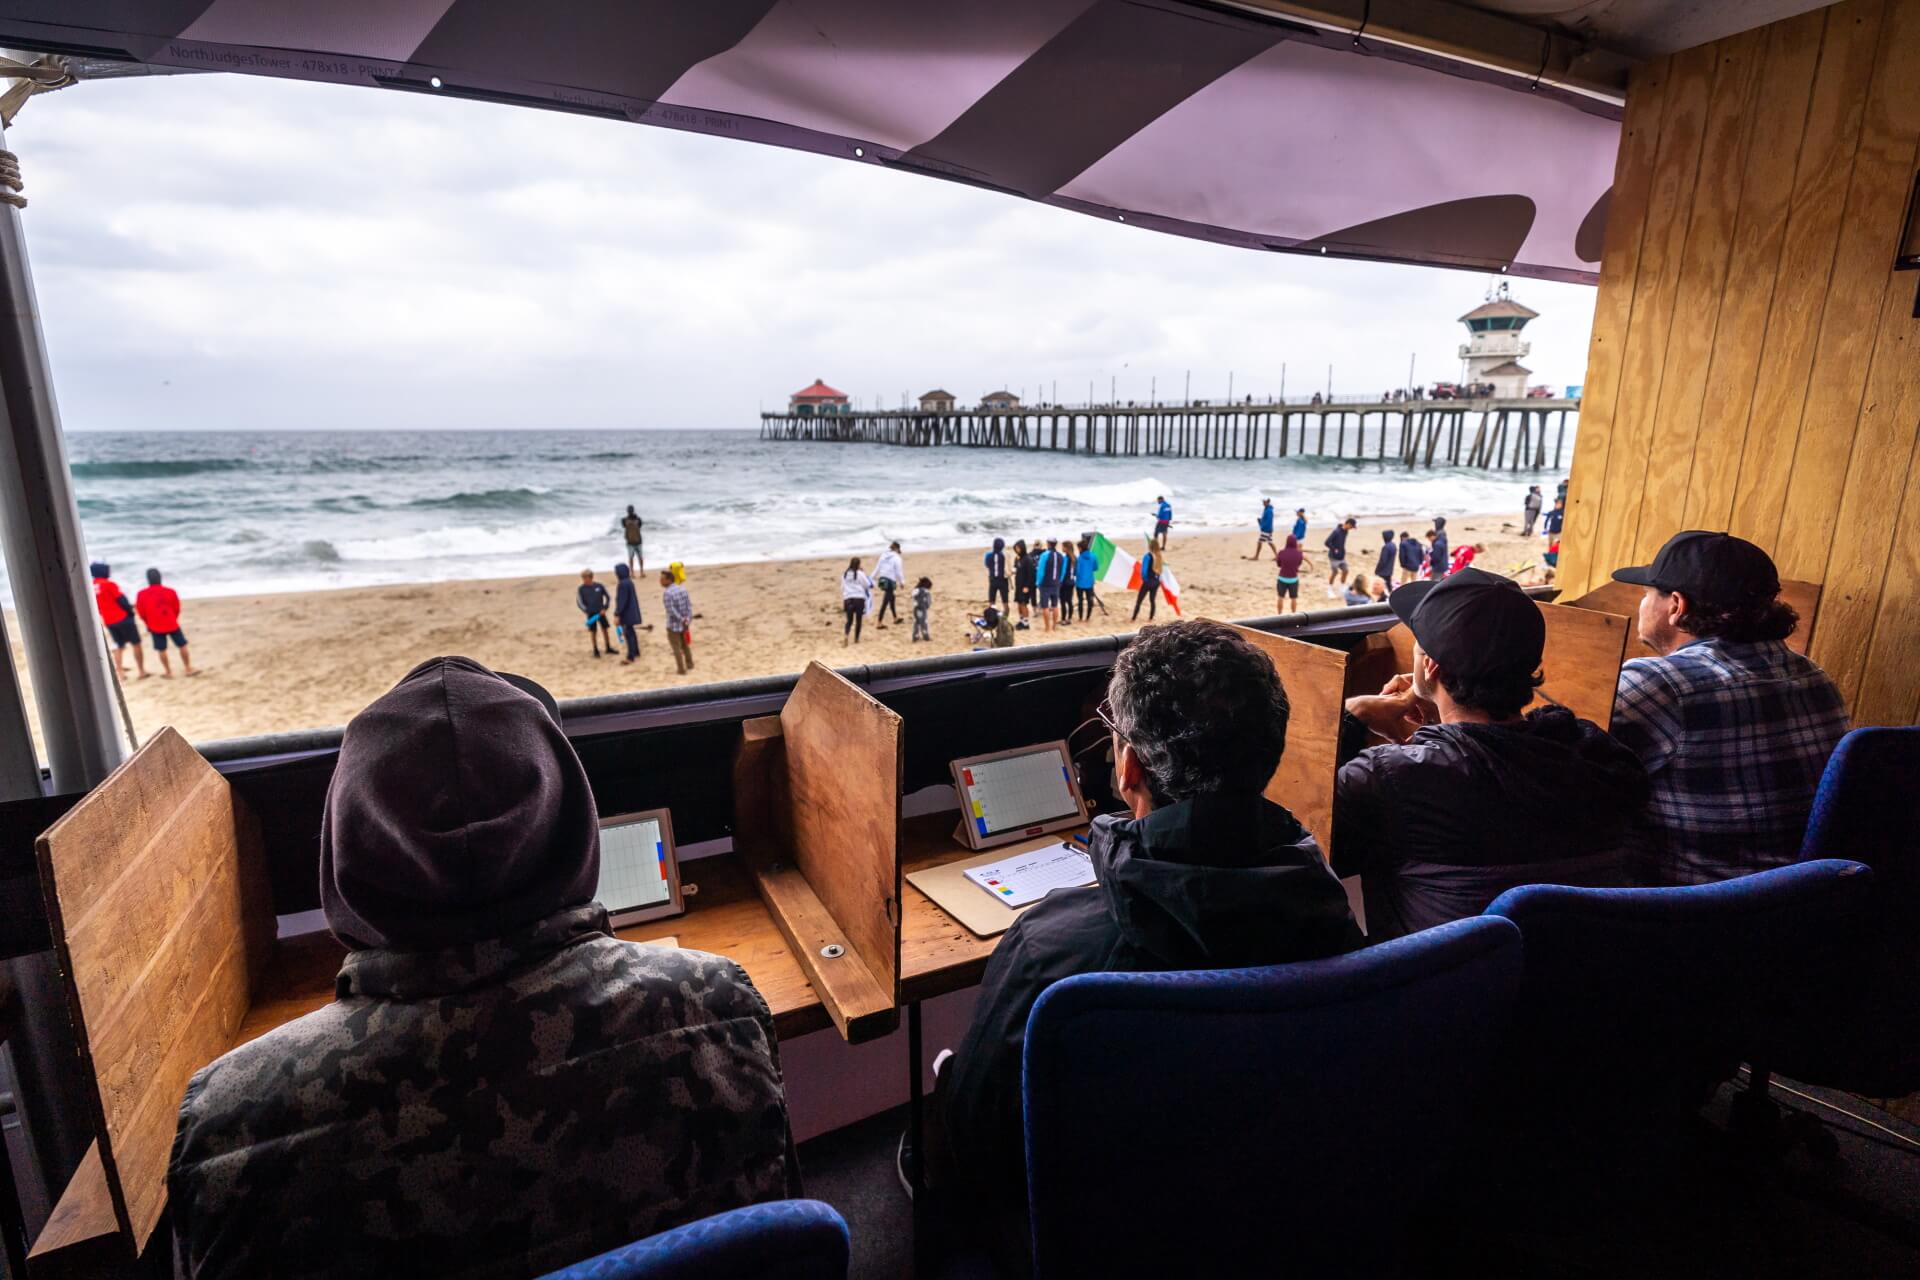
x,y
1118,569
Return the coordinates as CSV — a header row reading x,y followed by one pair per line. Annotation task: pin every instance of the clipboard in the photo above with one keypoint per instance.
x,y
950,890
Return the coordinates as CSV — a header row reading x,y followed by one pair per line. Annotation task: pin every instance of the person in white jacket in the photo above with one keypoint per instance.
x,y
856,591
889,575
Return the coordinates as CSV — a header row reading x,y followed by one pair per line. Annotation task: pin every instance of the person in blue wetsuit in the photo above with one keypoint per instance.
x,y
1265,523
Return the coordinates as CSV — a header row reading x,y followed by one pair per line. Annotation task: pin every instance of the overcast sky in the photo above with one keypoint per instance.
x,y
220,251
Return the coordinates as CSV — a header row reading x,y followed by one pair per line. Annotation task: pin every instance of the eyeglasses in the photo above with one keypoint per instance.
x,y
1106,713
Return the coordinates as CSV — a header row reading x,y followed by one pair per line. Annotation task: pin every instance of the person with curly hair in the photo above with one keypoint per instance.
x,y
1464,792
1202,871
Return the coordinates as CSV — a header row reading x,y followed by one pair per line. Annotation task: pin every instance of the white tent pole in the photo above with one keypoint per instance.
x,y
40,530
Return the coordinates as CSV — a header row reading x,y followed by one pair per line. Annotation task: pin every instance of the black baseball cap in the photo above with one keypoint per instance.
x,y
1714,568
1474,623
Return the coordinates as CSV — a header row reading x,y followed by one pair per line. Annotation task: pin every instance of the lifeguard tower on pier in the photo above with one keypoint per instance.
x,y
1492,354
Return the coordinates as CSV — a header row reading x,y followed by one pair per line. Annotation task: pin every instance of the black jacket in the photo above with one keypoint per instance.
x,y
1440,826
1412,554
1389,556
592,598
1210,883
626,601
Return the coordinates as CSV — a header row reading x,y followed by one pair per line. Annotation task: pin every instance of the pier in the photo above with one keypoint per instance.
x,y
1506,435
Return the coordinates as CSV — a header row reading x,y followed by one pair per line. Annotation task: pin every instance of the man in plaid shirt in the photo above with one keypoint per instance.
x,y
679,620
1734,728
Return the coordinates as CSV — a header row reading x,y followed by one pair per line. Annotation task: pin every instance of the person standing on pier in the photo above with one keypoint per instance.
x,y
1532,509
996,562
1383,567
630,525
1265,523
1336,545
1162,520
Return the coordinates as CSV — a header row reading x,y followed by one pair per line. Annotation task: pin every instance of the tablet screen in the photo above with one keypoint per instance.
x,y
633,866
1018,791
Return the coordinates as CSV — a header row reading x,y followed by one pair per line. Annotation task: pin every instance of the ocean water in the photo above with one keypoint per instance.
x,y
239,512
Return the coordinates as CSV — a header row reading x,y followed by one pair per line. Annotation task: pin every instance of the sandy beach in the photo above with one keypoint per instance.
x,y
278,662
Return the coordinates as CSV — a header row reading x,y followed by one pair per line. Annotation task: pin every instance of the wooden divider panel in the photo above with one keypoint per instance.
x,y
845,765
1315,677
1623,598
156,892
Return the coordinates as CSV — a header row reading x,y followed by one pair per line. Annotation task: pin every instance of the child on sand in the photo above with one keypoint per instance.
x,y
116,613
922,606
592,600
159,607
674,599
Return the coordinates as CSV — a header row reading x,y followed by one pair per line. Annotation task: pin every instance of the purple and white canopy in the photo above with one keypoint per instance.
x,y
1179,117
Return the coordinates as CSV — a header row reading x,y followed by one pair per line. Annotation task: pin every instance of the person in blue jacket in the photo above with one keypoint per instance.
x,y
593,602
1383,567
1300,523
1265,522
626,611
1162,521
1413,556
1084,570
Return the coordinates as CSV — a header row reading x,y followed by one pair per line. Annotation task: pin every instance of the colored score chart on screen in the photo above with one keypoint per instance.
x,y
1018,791
633,865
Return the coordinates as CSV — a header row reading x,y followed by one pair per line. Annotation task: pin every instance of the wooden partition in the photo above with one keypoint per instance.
x,y
1582,659
1623,598
1315,677
1753,363
817,820
157,898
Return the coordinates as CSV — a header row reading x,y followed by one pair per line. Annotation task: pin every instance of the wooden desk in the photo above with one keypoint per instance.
x,y
727,918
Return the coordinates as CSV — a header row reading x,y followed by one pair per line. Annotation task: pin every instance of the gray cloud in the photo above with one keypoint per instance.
x,y
227,252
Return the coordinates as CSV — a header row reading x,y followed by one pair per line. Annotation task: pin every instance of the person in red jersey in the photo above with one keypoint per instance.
x,y
159,607
116,614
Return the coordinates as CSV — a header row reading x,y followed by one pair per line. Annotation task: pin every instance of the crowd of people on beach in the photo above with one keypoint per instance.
x,y
619,614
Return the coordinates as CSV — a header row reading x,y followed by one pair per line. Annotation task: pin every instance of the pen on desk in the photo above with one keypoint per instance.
x,y
1077,836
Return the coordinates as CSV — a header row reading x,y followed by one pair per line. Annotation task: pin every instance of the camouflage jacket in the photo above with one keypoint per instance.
x,y
491,1110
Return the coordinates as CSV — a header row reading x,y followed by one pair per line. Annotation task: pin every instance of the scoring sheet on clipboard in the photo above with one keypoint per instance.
x,y
1021,878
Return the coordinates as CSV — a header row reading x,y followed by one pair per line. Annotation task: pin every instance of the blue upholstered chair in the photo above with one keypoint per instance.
x,y
1255,1121
1868,809
779,1240
1642,1000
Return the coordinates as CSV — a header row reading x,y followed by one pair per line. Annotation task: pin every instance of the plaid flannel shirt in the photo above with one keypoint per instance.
x,y
1734,738
679,607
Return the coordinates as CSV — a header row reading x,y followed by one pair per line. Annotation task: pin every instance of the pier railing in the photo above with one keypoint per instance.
x,y
1510,435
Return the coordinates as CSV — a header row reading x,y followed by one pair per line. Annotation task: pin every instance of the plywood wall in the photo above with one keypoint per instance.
x,y
1755,363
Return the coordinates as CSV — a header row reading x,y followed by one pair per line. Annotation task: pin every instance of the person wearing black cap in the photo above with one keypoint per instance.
x,y
499,1087
1734,728
1468,793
